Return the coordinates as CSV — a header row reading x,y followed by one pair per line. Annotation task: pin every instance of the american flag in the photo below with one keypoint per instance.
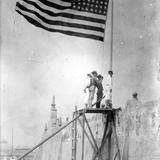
x,y
81,18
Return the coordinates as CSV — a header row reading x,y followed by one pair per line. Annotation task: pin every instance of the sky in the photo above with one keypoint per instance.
x,y
36,64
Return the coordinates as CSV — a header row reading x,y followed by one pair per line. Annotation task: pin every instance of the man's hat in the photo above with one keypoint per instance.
x,y
94,72
135,94
100,76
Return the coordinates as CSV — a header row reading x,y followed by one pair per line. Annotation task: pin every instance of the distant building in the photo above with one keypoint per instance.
x,y
51,148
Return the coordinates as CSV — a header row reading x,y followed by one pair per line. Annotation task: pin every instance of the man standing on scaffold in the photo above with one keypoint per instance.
x,y
91,87
99,91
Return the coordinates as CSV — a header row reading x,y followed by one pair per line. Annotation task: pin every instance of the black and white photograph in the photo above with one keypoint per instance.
x,y
79,80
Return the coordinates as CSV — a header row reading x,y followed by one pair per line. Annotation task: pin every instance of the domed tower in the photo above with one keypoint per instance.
x,y
53,114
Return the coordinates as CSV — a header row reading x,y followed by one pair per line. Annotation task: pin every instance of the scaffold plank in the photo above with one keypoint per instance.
x,y
97,110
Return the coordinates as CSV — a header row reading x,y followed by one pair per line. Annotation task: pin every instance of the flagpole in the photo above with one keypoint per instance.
x,y
111,51
110,72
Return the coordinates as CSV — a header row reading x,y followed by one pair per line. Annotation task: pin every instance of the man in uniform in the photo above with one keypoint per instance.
x,y
99,90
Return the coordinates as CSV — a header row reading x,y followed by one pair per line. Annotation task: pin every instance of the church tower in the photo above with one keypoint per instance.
x,y
53,114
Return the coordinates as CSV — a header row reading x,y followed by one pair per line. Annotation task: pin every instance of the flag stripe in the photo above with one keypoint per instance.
x,y
61,23
54,5
66,0
59,27
71,33
58,18
62,3
64,14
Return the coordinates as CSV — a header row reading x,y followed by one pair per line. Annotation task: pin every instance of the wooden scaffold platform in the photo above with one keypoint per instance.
x,y
109,131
